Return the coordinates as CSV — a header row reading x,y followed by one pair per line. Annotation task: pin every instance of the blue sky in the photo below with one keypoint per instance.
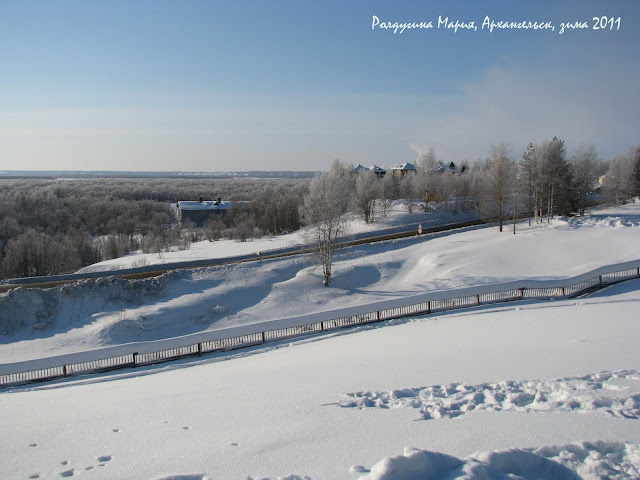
x,y
292,85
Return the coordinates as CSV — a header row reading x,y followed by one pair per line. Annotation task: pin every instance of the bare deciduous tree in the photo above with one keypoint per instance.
x,y
584,162
388,192
619,178
532,180
557,177
367,191
636,172
427,176
498,175
324,210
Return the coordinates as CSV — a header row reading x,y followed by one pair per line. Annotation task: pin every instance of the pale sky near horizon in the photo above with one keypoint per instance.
x,y
197,85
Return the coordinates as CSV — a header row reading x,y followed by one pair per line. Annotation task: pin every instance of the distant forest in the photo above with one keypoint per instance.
x,y
50,226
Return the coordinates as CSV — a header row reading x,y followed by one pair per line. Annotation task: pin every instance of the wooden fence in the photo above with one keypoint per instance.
x,y
116,357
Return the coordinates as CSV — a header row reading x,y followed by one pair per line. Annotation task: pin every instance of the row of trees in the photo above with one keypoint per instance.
x,y
542,183
546,182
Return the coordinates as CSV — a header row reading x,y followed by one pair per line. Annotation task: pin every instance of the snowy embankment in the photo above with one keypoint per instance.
x,y
284,409
528,383
94,314
248,335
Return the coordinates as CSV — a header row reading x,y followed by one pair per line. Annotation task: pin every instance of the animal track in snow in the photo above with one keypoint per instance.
x,y
585,393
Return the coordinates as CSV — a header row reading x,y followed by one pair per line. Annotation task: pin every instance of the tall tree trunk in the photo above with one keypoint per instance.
x,y
514,214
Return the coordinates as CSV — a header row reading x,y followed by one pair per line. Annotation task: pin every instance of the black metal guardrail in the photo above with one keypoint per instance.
x,y
146,353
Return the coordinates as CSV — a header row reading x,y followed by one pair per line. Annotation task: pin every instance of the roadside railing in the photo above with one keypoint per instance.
x,y
146,353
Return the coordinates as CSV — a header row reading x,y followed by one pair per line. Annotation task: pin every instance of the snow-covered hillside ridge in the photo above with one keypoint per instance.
x,y
568,371
323,321
90,314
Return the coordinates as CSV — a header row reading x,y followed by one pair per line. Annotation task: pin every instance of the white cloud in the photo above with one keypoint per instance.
x,y
520,106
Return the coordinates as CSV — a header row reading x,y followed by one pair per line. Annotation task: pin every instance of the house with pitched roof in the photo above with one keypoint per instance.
x,y
404,169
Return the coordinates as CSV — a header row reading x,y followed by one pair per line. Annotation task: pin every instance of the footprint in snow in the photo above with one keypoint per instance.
x,y
64,462
115,430
234,444
36,475
68,473
186,428
105,458
33,445
358,469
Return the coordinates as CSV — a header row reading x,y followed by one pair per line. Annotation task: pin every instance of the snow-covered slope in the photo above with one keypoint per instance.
x,y
503,378
91,314
525,385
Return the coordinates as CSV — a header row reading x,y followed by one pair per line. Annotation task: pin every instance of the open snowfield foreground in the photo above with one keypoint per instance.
x,y
524,390
558,381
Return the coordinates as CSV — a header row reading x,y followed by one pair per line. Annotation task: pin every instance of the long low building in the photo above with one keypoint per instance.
x,y
200,211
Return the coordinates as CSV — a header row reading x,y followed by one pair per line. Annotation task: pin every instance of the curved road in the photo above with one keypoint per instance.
x,y
156,270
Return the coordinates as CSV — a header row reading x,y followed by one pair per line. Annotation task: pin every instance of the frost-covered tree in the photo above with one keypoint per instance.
x,y
498,175
584,163
618,181
557,178
636,172
388,192
367,191
427,176
411,189
324,210
532,180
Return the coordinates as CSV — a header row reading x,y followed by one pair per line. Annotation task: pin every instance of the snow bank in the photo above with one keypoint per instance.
x,y
605,392
586,461
361,313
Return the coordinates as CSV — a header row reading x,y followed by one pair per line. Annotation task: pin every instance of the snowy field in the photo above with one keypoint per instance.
x,y
529,390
